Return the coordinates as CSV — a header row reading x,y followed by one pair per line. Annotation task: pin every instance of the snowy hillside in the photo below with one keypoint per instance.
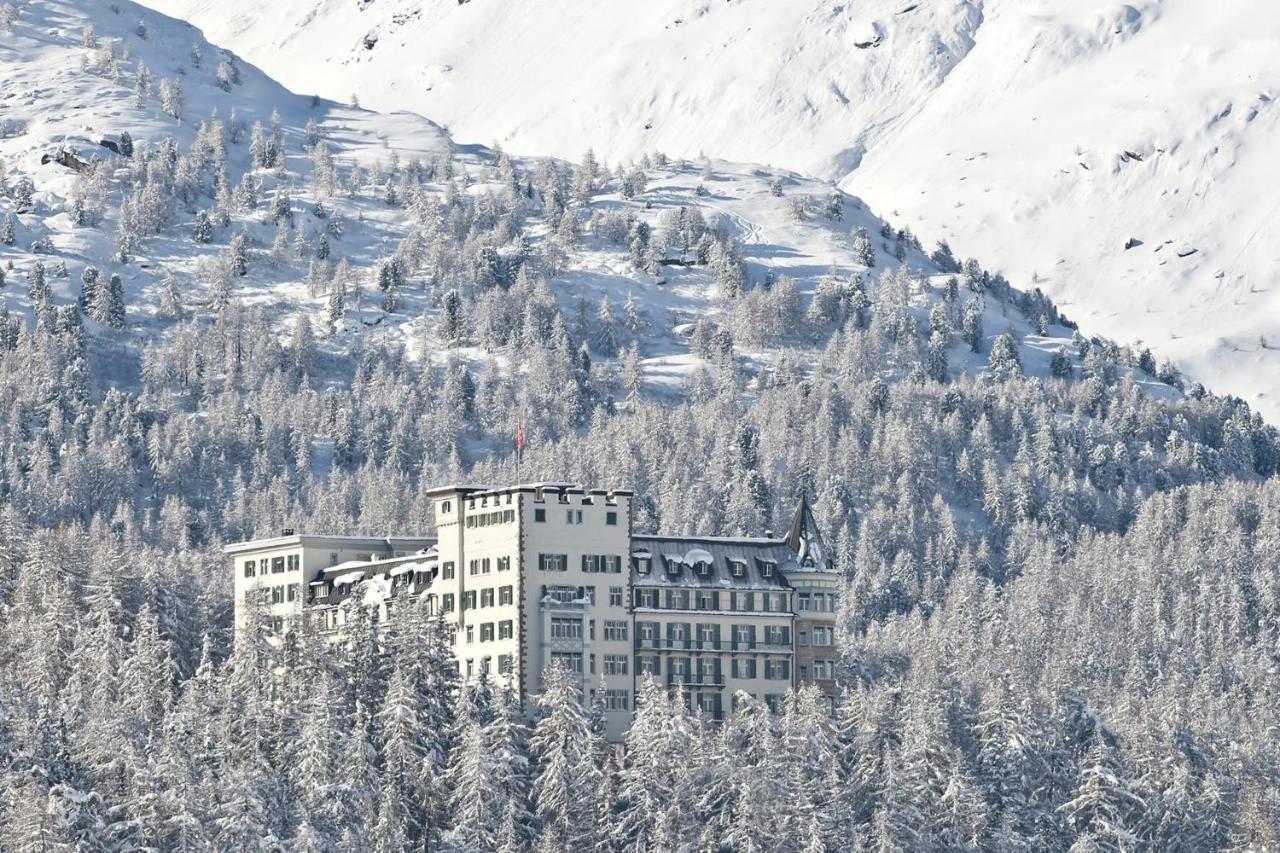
x,y
81,81
966,119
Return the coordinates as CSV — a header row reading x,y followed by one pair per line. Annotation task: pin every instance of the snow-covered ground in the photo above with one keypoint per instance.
x,y
1041,136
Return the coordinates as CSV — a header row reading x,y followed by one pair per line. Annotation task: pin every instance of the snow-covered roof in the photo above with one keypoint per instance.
x,y
721,554
349,576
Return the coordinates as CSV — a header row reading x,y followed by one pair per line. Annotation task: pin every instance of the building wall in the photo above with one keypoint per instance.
x,y
702,664
529,531
301,559
479,546
817,598
566,527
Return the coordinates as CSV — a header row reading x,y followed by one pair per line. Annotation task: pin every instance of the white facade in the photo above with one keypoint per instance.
x,y
533,574
275,573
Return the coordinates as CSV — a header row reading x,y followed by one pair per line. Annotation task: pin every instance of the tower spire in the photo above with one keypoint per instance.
x,y
806,540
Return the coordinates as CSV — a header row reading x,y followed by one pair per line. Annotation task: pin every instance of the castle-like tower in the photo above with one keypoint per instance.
x,y
532,574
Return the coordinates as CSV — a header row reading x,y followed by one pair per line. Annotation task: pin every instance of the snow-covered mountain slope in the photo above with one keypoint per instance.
x,y
74,74
1040,135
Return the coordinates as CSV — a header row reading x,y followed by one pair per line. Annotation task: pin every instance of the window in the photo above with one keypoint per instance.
x,y
802,637
504,595
822,635
249,566
617,700
539,515
447,571
777,635
678,633
573,516
553,562
673,566
737,568
647,632
766,567
486,632
566,629
484,665
277,595
446,603
591,563
508,515
649,665
613,564
291,592
504,664
570,660
802,601
708,634
471,667
744,668
469,600
677,599
277,565
708,600
646,598
471,633
777,670
703,568
611,518
709,670
615,629
504,564
505,630
615,596
824,669
293,562
446,506
642,565
486,597
333,560
744,636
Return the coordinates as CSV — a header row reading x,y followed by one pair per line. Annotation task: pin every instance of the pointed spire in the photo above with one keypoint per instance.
x,y
805,539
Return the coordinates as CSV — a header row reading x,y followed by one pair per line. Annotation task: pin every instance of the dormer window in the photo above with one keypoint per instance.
x,y
643,565
767,568
673,566
703,568
737,568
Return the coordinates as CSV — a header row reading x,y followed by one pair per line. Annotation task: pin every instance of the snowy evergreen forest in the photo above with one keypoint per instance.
x,y
1060,623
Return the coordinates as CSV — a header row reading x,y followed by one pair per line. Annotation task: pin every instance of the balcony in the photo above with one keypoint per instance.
x,y
666,644
681,679
575,605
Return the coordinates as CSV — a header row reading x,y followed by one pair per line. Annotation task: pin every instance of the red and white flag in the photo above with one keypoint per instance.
x,y
520,436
